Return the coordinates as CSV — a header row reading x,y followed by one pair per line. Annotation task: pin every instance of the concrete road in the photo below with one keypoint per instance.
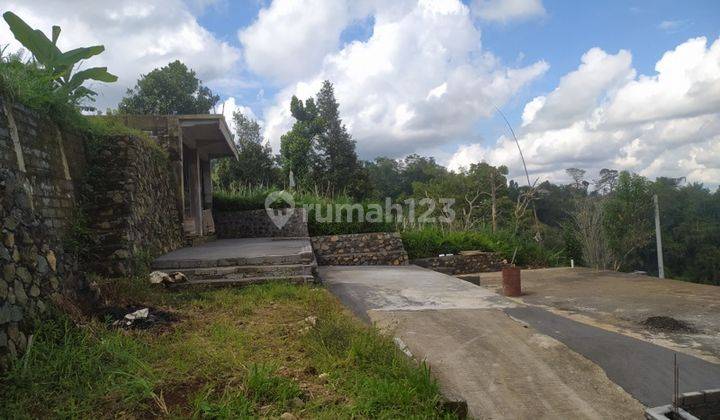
x,y
502,367
621,301
643,369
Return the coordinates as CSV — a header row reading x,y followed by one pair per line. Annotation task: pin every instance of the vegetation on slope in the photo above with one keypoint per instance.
x,y
234,353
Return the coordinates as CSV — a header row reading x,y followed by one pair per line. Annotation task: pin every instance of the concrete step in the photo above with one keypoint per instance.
x,y
249,271
239,282
301,258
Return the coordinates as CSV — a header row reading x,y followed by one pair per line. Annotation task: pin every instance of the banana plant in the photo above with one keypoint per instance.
x,y
60,64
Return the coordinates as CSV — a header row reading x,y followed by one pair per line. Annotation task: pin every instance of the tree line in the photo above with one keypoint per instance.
x,y
605,221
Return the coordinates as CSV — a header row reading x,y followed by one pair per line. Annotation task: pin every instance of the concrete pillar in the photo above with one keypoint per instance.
x,y
207,183
195,196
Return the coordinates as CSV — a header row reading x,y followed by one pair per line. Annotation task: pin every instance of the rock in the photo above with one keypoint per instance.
x,y
178,277
52,260
312,320
9,239
54,282
42,265
3,289
13,332
159,277
297,402
4,254
324,377
287,416
9,272
20,294
24,275
34,291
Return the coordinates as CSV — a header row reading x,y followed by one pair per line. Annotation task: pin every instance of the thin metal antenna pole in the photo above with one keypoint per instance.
x,y
658,239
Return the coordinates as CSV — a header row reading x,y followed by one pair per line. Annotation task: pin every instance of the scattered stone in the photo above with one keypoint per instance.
x,y
297,402
34,291
324,377
287,416
312,320
3,289
159,277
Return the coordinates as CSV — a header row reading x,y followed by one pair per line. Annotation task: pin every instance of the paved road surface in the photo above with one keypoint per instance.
x,y
503,368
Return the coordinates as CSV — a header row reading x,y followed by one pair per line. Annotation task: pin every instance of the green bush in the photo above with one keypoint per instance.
x,y
430,242
254,199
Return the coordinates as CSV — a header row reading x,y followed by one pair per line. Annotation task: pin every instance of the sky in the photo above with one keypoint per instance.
x,y
629,85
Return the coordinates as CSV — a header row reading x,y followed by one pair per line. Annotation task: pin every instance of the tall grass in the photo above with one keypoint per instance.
x,y
430,242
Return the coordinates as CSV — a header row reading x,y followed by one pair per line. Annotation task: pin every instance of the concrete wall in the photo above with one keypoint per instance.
x,y
257,224
463,264
380,248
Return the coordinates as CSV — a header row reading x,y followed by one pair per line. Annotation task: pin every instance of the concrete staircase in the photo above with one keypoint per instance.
x,y
238,262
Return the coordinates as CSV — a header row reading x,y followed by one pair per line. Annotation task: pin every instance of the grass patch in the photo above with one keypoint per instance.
x,y
235,353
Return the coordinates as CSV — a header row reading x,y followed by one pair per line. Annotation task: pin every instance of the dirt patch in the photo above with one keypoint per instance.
x,y
668,324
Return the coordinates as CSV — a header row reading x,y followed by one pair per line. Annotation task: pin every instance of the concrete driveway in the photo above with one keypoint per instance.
x,y
503,367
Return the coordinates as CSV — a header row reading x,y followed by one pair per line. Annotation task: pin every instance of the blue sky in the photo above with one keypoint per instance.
x,y
623,84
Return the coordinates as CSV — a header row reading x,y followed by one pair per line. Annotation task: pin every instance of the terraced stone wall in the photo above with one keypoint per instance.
x,y
379,248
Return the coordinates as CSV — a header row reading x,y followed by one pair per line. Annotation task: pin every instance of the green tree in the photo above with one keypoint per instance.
x,y
173,89
297,146
255,165
628,218
336,162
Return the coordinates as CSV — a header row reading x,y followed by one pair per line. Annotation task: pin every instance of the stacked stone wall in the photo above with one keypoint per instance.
x,y
257,224
378,248
35,270
132,204
480,262
50,160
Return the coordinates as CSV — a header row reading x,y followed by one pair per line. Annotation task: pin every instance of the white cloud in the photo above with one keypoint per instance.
x,y
289,39
666,124
138,37
421,80
673,26
507,10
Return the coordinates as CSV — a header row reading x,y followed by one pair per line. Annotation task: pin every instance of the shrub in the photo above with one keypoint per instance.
x,y
430,242
253,198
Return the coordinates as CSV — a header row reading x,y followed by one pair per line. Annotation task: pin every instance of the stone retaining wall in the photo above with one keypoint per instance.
x,y
131,203
50,161
463,264
380,248
257,224
35,271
